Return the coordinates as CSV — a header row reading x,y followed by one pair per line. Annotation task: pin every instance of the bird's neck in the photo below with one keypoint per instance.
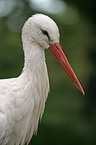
x,y
34,57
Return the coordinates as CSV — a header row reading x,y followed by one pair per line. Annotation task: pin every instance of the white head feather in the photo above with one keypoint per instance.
x,y
32,30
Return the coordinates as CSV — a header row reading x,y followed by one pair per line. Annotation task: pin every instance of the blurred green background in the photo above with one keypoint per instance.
x,y
69,117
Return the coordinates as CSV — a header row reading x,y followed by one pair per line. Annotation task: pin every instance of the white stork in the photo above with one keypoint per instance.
x,y
22,99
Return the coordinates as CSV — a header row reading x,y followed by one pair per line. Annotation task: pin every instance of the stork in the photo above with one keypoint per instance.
x,y
22,99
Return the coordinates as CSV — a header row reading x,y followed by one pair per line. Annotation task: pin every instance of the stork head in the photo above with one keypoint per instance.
x,y
42,30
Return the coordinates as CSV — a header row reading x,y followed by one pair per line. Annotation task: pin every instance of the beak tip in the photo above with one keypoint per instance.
x,y
83,93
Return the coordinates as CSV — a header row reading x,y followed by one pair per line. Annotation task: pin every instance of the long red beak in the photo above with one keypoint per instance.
x,y
58,53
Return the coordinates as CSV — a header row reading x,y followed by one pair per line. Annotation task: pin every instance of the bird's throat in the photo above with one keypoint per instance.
x,y
34,58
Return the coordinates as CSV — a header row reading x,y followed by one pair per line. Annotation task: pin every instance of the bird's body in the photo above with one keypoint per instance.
x,y
22,99
22,102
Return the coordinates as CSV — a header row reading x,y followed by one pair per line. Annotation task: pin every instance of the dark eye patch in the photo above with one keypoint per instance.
x,y
45,33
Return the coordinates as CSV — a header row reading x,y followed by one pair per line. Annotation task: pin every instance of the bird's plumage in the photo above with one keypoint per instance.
x,y
22,99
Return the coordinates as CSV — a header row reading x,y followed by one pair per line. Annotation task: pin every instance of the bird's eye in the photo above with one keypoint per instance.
x,y
45,33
